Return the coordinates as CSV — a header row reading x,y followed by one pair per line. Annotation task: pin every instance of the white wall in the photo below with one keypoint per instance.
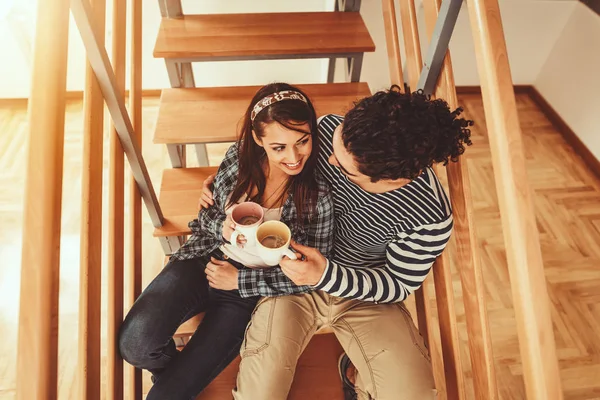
x,y
17,25
570,78
531,29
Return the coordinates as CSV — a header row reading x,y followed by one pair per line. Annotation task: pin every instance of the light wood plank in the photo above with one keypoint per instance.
x,y
532,306
392,42
444,295
89,365
181,188
263,34
211,115
412,42
116,213
38,317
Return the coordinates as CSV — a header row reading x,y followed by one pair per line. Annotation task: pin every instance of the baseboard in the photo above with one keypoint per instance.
x,y
570,137
477,89
73,95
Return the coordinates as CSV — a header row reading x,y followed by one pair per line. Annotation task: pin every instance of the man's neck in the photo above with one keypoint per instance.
x,y
384,186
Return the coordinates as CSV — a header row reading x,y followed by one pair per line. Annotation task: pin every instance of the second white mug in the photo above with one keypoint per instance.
x,y
273,241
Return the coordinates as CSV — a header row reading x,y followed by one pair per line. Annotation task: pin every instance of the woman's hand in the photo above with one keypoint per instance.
x,y
206,198
221,275
228,228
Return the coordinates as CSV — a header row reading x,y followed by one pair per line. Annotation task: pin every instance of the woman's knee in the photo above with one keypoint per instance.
x,y
131,344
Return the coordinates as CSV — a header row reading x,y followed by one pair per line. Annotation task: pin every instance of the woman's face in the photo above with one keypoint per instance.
x,y
287,149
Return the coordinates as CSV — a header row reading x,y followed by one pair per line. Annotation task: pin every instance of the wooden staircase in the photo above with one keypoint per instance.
x,y
316,376
190,116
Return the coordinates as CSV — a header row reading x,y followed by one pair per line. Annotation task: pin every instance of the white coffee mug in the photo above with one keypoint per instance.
x,y
273,241
240,214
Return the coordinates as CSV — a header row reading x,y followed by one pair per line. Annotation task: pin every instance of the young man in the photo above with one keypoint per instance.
x,y
393,219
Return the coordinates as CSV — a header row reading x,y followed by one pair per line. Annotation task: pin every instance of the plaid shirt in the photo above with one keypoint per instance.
x,y
207,233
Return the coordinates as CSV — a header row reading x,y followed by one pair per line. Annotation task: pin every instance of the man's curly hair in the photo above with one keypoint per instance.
x,y
395,135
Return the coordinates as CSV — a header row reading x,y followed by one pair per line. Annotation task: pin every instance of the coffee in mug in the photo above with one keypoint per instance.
x,y
249,220
273,241
247,217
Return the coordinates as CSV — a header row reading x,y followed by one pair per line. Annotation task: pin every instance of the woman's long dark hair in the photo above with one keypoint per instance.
x,y
290,114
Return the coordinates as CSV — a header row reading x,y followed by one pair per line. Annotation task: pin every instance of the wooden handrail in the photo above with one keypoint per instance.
x,y
134,265
468,261
530,295
89,339
37,355
115,103
116,225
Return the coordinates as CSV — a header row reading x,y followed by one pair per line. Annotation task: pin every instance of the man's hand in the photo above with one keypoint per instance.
x,y
206,198
221,275
304,272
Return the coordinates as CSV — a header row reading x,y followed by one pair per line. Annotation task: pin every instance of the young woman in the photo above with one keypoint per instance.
x,y
272,164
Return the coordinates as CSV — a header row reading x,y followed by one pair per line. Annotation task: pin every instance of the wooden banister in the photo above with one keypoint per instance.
x,y
525,266
37,354
468,261
89,363
134,265
116,211
115,103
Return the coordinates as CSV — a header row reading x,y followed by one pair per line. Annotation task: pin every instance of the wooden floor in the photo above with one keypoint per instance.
x,y
567,200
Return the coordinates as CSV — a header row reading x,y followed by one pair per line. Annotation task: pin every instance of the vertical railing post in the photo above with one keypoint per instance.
x,y
134,265
392,42
116,211
37,355
525,265
89,365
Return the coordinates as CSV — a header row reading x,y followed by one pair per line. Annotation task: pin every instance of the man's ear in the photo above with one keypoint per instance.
x,y
257,139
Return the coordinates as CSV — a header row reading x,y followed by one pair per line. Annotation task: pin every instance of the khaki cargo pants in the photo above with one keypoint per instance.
x,y
380,339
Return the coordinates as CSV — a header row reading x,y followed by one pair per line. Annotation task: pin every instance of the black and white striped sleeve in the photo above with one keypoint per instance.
x,y
408,261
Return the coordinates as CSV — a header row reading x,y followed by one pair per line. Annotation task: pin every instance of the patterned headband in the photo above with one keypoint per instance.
x,y
274,98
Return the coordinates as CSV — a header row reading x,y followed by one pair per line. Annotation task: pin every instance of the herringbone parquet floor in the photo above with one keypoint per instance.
x,y
567,201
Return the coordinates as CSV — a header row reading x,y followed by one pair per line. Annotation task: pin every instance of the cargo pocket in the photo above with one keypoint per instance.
x,y
258,331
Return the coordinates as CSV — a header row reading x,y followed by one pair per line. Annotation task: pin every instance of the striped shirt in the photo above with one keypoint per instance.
x,y
386,243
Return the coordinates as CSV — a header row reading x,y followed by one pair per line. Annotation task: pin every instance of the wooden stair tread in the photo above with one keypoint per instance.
x,y
316,375
256,36
178,199
211,115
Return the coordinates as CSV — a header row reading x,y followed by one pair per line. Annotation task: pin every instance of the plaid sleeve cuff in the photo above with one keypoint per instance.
x,y
248,282
323,281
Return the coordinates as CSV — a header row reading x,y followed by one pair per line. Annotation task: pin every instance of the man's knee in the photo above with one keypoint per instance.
x,y
276,337
391,376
